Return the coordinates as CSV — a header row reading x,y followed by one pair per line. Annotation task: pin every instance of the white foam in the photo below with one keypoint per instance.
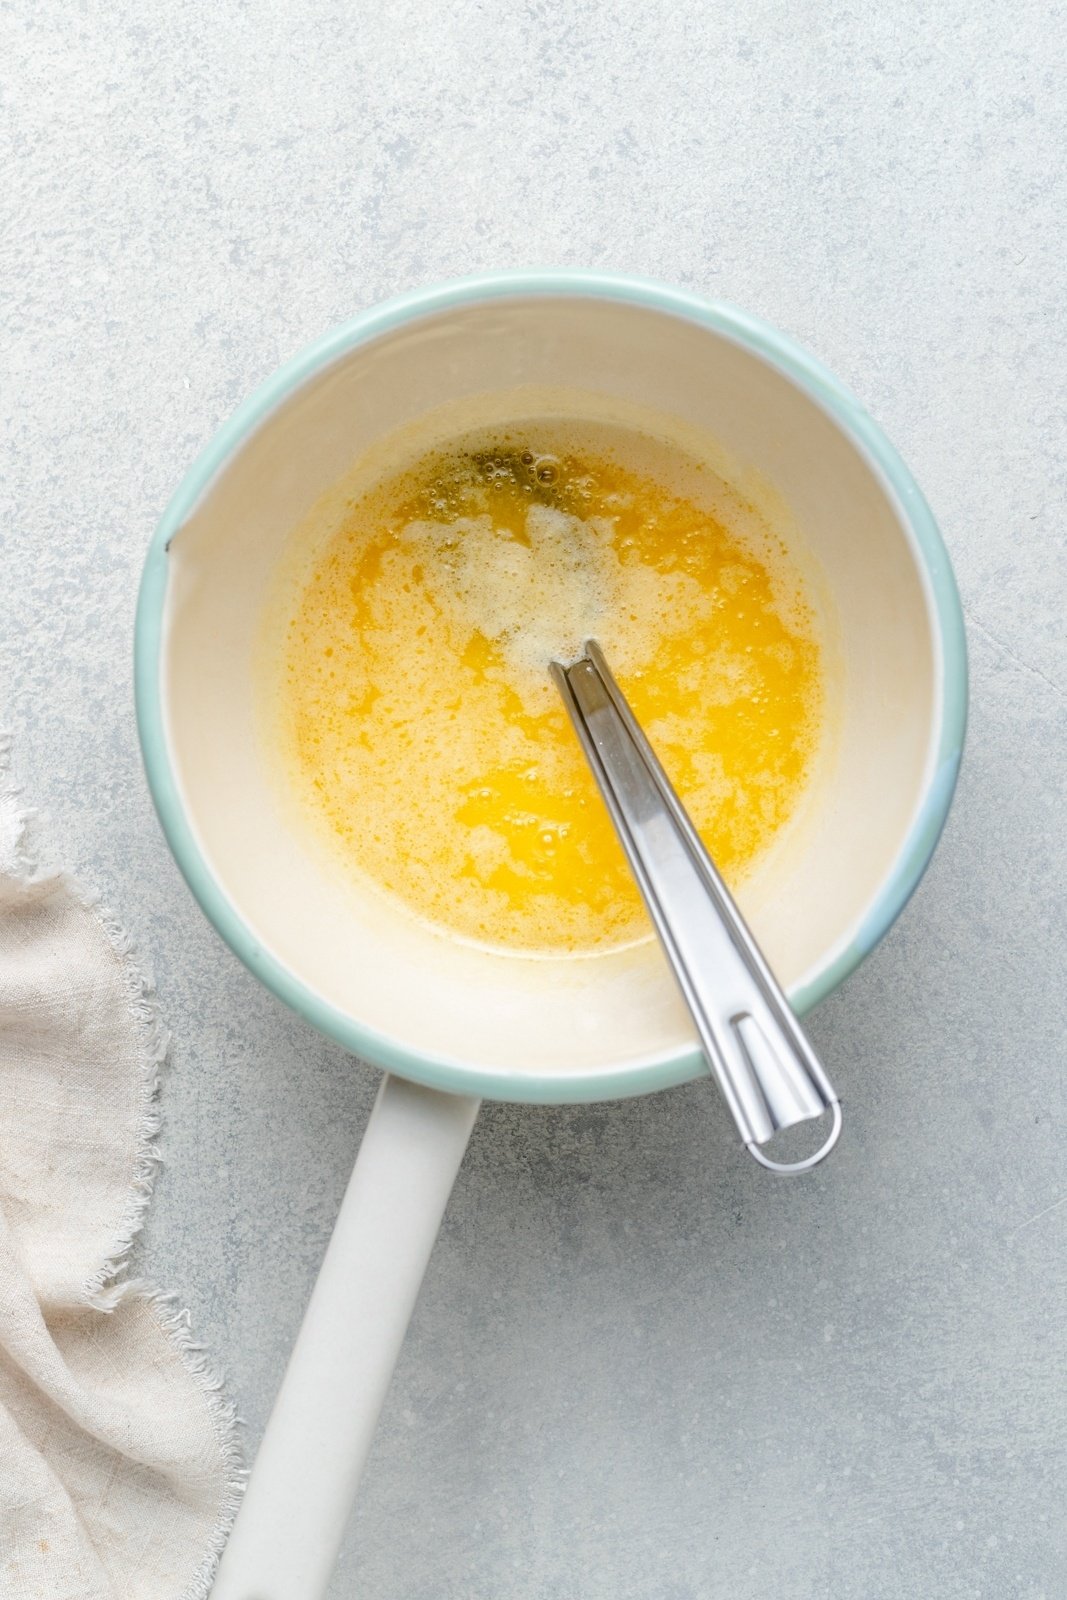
x,y
538,602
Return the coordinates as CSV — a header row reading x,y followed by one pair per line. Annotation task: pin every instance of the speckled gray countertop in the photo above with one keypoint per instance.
x,y
640,1369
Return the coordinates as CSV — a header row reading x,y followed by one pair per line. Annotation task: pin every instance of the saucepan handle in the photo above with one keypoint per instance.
x,y
288,1531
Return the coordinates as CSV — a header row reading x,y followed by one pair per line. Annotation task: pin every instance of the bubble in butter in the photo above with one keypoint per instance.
x,y
417,720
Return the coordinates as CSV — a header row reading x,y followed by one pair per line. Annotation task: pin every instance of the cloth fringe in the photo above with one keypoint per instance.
x,y
110,1285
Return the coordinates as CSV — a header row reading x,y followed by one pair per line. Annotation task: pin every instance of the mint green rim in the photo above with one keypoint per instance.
x,y
794,363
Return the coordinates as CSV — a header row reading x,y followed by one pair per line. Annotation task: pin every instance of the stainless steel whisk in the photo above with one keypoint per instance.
x,y
767,1070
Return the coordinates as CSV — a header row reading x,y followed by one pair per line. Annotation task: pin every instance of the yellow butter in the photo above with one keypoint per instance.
x,y
416,717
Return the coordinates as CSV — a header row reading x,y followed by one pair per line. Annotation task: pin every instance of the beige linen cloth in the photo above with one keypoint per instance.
x,y
119,1471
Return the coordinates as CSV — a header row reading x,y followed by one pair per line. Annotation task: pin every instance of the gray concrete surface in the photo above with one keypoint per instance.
x,y
640,1370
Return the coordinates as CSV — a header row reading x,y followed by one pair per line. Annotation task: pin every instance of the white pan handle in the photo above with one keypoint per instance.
x,y
288,1531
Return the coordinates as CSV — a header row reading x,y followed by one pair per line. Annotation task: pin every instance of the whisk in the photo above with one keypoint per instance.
x,y
769,1074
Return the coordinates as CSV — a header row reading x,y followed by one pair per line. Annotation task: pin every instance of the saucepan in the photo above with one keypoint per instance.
x,y
451,1023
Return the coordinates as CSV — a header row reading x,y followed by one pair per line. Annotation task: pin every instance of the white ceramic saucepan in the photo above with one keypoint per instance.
x,y
452,1023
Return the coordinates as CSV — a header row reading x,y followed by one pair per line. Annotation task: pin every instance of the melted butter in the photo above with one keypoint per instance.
x,y
419,723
